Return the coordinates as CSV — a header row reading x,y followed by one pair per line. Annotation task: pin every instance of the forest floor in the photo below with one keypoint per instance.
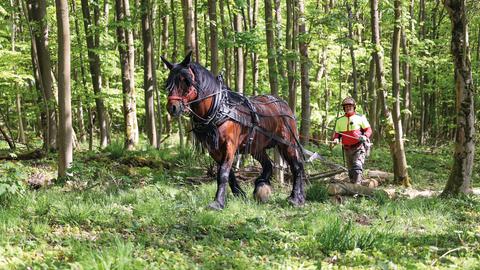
x,y
146,210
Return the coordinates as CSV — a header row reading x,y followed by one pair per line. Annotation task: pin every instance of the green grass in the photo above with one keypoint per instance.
x,y
112,216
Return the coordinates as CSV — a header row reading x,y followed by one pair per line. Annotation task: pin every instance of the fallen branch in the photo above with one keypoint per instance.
x,y
324,175
35,154
348,189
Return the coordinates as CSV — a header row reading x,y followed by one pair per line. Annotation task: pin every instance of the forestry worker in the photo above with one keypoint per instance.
x,y
354,131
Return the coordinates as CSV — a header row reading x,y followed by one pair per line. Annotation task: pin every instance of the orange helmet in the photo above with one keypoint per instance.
x,y
348,101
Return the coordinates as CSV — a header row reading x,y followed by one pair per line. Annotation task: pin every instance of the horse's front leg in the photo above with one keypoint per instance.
x,y
224,168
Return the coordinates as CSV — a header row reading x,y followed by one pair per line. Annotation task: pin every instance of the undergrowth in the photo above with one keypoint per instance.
x,y
113,214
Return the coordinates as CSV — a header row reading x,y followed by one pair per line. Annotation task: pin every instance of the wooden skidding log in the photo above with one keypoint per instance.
x,y
348,189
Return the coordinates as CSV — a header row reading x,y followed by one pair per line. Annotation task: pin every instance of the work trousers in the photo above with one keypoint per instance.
x,y
355,158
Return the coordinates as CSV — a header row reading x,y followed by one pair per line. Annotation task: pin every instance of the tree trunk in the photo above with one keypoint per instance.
x,y
460,177
188,20
372,98
272,68
279,50
65,155
37,9
21,130
226,55
305,82
239,59
212,14
148,70
407,88
389,127
254,55
352,51
400,172
125,37
290,45
174,28
92,38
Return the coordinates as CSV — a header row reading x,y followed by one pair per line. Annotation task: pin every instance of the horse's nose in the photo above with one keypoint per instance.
x,y
174,109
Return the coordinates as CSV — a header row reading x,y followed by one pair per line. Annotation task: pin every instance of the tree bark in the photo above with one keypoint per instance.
x,y
291,47
279,51
125,41
212,14
304,68
253,54
239,59
226,55
352,51
65,155
92,39
400,172
272,68
188,20
460,177
37,15
21,129
148,70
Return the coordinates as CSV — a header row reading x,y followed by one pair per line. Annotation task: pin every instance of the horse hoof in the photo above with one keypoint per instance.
x,y
297,202
215,206
262,193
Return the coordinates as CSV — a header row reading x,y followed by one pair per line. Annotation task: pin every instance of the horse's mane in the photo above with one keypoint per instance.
x,y
206,81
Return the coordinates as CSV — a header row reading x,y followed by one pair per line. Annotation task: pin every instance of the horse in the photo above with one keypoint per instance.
x,y
227,123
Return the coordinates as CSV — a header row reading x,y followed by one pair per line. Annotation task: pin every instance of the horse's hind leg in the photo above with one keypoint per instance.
x,y
263,188
289,153
236,189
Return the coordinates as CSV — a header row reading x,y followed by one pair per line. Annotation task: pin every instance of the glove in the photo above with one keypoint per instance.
x,y
362,138
335,141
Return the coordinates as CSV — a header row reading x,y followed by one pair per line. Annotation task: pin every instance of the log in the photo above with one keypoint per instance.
x,y
348,189
379,174
35,154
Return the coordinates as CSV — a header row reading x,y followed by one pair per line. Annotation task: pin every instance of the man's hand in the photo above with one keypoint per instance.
x,y
362,138
335,141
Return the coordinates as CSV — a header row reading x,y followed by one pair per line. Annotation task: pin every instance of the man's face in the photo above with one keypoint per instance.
x,y
348,108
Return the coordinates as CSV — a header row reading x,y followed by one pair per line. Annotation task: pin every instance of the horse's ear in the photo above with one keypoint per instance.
x,y
168,64
187,59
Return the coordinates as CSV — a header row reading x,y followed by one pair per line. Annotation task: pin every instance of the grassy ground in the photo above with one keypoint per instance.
x,y
109,215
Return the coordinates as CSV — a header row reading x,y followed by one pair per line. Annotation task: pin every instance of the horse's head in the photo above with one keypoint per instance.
x,y
181,86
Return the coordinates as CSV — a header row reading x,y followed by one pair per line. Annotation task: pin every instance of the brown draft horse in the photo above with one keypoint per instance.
x,y
226,122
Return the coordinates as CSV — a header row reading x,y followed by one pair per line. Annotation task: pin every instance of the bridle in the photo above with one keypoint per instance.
x,y
191,97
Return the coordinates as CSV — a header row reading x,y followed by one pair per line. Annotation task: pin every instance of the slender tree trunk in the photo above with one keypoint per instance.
x,y
38,16
254,55
400,170
305,82
279,51
407,88
460,177
290,45
21,130
212,14
378,56
65,142
125,48
174,28
421,135
239,59
188,20
372,99
272,68
226,55
352,51
92,39
148,70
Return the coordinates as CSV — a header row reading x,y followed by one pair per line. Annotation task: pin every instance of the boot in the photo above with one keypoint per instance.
x,y
356,179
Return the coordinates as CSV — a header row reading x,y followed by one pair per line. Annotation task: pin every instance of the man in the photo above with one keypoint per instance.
x,y
354,131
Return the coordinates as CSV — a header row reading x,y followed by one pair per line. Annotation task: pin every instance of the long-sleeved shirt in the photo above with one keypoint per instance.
x,y
353,126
